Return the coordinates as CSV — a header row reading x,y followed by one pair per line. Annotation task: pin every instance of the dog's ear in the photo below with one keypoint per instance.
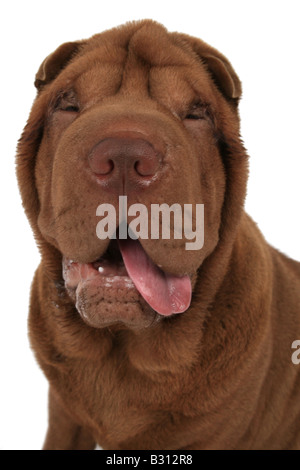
x,y
218,66
223,74
55,62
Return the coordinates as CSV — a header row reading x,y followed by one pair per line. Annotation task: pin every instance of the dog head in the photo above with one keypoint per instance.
x,y
150,115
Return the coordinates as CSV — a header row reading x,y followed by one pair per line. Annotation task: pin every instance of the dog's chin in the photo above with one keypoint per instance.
x,y
124,287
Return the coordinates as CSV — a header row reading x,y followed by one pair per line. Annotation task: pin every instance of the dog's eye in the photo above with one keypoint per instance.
x,y
194,116
70,109
196,112
66,101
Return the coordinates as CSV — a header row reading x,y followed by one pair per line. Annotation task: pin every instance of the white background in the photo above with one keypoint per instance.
x,y
260,38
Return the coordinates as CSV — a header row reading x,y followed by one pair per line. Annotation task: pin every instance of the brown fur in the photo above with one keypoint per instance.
x,y
218,376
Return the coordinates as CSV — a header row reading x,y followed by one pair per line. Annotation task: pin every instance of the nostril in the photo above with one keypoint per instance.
x,y
138,168
146,166
101,166
106,167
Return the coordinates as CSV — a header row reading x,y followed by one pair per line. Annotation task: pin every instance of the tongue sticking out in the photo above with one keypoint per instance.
x,y
165,293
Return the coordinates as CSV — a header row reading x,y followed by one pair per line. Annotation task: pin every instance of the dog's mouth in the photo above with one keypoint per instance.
x,y
124,273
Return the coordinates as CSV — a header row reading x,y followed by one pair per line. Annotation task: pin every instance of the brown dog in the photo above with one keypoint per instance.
x,y
152,115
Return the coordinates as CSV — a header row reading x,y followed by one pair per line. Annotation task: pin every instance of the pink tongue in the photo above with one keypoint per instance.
x,y
164,292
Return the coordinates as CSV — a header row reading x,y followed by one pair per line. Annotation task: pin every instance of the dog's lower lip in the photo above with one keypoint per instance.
x,y
103,272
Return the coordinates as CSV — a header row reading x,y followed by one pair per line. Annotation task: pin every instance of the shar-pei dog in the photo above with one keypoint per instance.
x,y
185,336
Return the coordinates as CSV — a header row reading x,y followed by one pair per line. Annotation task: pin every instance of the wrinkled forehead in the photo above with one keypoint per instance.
x,y
151,43
146,64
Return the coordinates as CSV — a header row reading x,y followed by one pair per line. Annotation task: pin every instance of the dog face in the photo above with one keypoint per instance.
x,y
140,112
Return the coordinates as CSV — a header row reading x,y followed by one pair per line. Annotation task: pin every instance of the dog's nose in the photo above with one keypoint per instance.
x,y
125,164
